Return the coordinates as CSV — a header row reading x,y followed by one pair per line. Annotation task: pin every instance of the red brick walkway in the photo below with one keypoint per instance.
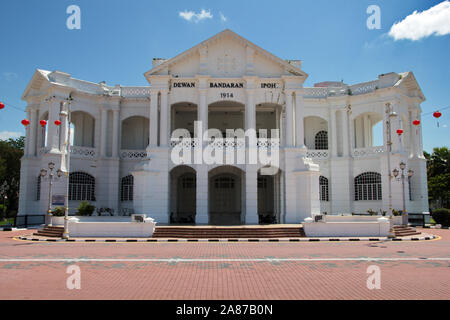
x,y
271,279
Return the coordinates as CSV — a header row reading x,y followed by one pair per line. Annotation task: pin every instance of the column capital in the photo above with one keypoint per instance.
x,y
289,91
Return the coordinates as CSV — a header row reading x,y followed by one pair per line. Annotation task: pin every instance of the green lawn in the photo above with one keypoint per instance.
x,y
7,221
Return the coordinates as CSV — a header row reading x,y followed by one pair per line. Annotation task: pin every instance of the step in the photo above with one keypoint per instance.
x,y
221,232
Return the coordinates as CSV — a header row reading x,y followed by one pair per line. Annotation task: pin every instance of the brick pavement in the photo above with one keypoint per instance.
x,y
271,279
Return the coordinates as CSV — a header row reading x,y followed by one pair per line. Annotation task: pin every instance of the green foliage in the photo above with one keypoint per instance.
x,y
11,151
372,212
438,170
85,209
58,212
441,216
397,213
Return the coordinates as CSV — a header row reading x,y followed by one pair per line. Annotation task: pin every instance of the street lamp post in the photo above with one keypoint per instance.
x,y
65,116
389,115
51,167
402,177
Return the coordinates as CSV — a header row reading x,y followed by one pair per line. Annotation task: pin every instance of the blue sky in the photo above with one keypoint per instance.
x,y
119,38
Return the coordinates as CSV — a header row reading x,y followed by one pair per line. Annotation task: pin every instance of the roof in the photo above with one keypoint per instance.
x,y
289,67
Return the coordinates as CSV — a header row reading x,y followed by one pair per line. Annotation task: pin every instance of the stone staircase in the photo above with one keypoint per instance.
x,y
228,232
53,232
402,231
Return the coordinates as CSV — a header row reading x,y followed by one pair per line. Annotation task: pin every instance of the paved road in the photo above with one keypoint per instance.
x,y
409,270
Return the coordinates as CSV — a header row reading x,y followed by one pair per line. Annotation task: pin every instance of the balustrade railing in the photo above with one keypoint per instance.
x,y
318,154
83,152
368,152
133,154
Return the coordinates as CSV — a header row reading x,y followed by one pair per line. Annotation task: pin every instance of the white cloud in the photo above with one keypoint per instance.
x,y
5,135
222,17
10,76
419,25
191,16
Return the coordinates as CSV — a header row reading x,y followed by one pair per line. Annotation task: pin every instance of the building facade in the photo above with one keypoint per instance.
x,y
121,140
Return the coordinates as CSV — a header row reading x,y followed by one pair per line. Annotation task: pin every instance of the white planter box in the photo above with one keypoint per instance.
x,y
397,221
378,228
57,221
102,229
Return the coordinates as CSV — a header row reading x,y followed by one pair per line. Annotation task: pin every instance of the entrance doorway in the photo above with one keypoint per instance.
x,y
269,198
183,195
225,196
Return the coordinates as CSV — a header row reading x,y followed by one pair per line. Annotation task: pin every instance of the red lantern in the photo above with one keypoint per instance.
x,y
399,132
25,122
43,123
2,105
437,115
57,122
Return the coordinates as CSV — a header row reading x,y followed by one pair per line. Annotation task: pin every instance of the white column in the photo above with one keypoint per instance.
x,y
115,138
153,119
104,132
250,111
64,130
299,127
395,125
203,110
289,120
202,216
251,174
202,195
27,134
332,137
164,119
416,135
367,128
52,130
251,195
419,135
345,133
33,132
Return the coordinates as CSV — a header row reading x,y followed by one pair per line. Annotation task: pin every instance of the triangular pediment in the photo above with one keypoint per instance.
x,y
39,80
226,55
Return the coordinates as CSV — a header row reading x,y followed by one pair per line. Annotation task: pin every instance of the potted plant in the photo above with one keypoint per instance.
x,y
397,217
372,212
85,209
58,216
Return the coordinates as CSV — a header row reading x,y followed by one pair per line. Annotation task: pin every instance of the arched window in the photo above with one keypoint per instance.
x,y
321,140
38,188
224,183
81,187
126,190
368,187
324,189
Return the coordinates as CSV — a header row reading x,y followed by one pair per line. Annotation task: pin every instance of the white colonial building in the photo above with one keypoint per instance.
x,y
121,146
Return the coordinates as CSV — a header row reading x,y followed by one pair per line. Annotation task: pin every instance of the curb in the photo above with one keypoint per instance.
x,y
155,240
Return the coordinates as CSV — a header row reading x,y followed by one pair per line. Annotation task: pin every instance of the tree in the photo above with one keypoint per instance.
x,y
438,171
11,151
